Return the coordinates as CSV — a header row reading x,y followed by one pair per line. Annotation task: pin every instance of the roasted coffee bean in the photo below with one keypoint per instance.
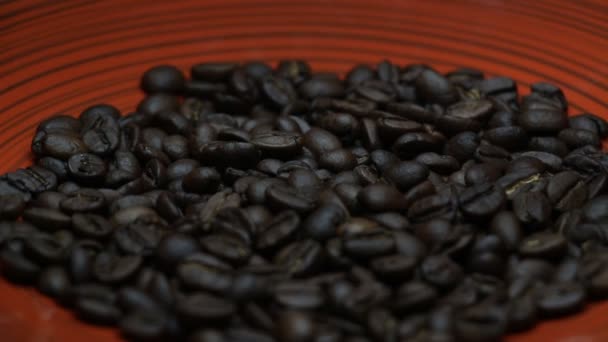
x,y
482,200
566,191
144,325
414,295
54,282
91,226
281,229
275,144
87,168
202,180
532,208
298,296
11,206
560,299
320,141
47,219
83,200
543,121
507,227
163,79
113,269
434,88
97,311
441,271
323,222
406,174
548,144
300,258
56,166
543,245
60,146
391,204
575,138
589,122
411,144
282,197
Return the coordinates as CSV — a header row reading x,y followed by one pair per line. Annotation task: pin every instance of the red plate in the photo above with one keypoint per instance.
x,y
62,56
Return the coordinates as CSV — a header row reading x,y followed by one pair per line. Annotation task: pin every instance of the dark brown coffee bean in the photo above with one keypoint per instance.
x,y
338,160
414,295
410,144
275,144
320,141
507,227
566,191
380,197
83,200
47,219
441,272
280,230
87,168
589,122
406,174
97,311
543,121
204,308
112,269
281,197
298,296
434,88
11,206
202,180
532,208
560,299
543,245
482,200
576,138
300,258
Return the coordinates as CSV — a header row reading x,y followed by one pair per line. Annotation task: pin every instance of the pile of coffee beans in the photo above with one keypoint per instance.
x,y
250,203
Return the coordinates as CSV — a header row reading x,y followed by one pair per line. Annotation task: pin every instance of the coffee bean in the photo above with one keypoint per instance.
x,y
322,223
441,271
543,245
320,141
11,206
48,219
507,227
414,295
162,79
560,299
87,168
83,200
575,138
298,296
202,180
113,269
97,311
54,282
543,121
434,88
482,200
532,208
300,258
589,122
281,145
406,174
281,229
392,204
411,144
282,197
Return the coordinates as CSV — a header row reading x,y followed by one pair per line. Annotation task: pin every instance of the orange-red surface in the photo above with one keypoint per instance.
x,y
62,56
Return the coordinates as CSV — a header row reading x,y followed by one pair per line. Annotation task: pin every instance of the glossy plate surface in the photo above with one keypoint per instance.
x,y
62,56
